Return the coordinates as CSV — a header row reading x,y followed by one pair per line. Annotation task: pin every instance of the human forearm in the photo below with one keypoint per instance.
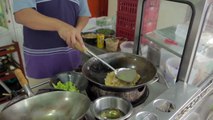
x,y
82,22
34,20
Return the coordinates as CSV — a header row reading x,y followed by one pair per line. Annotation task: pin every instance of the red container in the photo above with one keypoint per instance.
x,y
128,6
127,14
125,32
126,20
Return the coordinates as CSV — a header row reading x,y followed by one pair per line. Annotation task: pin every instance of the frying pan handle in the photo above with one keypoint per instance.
x,y
80,47
155,79
23,81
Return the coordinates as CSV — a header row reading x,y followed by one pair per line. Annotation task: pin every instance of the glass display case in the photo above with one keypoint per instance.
x,y
181,45
182,49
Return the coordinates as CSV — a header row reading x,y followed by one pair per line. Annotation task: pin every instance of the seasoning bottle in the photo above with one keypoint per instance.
x,y
100,41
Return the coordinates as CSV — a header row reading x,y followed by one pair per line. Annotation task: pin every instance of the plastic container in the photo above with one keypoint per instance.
x,y
112,44
127,46
164,56
171,69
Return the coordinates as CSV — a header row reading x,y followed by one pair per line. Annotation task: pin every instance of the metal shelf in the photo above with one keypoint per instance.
x,y
167,39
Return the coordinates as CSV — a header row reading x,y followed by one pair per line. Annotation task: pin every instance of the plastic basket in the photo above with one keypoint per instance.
x,y
129,6
125,32
126,20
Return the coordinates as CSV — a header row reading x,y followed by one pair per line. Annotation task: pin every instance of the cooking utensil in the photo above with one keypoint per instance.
x,y
96,72
53,105
125,74
76,78
111,105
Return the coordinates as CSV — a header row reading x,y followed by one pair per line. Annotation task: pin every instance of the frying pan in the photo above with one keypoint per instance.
x,y
96,72
57,105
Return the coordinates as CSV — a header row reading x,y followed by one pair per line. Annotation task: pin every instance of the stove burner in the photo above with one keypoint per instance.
x,y
135,103
142,99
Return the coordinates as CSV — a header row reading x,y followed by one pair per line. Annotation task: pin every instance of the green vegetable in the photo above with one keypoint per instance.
x,y
68,86
105,31
111,113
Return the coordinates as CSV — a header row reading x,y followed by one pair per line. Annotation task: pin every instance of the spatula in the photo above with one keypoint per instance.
x,y
124,74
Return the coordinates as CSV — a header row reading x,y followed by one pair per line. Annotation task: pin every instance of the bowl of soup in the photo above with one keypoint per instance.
x,y
111,108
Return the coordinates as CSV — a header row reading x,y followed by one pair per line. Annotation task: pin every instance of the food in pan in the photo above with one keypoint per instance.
x,y
112,80
89,35
68,86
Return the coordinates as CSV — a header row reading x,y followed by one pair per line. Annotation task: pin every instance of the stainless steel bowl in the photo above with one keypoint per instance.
x,y
76,78
111,102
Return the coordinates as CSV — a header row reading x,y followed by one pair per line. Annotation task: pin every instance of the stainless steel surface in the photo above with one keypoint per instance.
x,y
125,74
164,105
145,116
203,109
28,91
199,102
54,105
76,78
138,27
109,102
38,85
178,95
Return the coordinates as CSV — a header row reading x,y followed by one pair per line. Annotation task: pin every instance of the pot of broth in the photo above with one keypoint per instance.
x,y
103,82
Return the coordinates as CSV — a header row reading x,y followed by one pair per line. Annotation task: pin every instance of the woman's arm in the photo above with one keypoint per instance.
x,y
34,20
82,22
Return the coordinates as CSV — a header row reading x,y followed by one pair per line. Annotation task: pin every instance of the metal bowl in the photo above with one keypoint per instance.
x,y
111,102
76,78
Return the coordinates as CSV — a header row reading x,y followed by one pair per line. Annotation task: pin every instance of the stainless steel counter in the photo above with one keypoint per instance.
x,y
168,104
155,90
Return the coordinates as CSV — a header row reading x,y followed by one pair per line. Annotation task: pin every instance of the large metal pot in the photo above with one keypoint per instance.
x,y
96,72
58,105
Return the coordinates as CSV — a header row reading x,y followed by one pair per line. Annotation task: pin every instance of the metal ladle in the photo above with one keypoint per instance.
x,y
124,74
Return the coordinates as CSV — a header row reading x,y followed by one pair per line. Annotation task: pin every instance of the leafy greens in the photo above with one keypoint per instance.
x,y
68,86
